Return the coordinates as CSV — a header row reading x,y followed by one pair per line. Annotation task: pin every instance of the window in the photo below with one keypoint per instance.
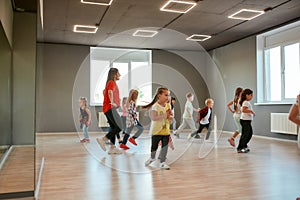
x,y
282,73
135,67
278,65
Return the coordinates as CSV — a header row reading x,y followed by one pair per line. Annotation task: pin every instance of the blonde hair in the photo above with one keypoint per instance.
x,y
84,99
159,91
209,100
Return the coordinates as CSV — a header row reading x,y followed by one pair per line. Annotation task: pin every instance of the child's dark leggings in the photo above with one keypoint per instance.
x,y
164,146
246,134
201,127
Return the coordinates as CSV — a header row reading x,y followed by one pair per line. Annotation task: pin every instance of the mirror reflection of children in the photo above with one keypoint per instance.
x,y
204,119
161,117
187,118
236,114
84,118
131,121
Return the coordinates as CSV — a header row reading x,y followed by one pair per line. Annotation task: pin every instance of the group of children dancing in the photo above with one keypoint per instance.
x,y
161,111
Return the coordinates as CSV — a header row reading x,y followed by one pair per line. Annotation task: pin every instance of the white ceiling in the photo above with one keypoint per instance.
x,y
123,17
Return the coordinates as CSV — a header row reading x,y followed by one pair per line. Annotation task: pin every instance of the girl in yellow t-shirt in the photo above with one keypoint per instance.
x,y
161,117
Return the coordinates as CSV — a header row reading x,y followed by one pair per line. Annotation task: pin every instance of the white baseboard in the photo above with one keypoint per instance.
x,y
265,137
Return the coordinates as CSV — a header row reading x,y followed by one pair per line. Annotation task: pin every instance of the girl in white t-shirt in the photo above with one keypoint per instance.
x,y
247,115
236,114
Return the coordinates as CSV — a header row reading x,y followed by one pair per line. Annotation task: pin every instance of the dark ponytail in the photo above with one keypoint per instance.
x,y
243,97
155,98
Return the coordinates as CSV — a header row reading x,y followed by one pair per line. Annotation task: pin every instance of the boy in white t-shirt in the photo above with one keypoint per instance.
x,y
187,118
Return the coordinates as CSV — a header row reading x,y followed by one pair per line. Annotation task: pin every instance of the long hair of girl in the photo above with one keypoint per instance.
x,y
243,97
155,98
133,94
84,99
111,74
236,97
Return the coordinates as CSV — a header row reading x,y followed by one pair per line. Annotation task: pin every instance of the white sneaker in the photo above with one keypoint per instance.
x,y
149,161
164,166
114,151
101,143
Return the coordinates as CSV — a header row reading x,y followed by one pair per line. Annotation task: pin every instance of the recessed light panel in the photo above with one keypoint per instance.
x,y
85,29
198,38
178,6
246,14
144,33
98,2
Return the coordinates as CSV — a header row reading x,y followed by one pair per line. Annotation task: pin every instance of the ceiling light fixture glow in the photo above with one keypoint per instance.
x,y
97,3
190,5
255,13
198,38
85,29
144,33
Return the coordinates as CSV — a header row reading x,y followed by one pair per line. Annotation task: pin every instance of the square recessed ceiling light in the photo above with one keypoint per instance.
x,y
246,14
98,2
197,37
144,33
85,29
178,6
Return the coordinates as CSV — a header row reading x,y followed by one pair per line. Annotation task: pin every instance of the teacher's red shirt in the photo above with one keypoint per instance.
x,y
111,85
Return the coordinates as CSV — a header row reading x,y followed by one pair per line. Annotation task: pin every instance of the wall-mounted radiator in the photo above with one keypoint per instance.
x,y
103,120
281,124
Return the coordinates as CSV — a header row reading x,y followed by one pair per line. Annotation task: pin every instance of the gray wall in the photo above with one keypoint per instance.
x,y
237,63
24,67
57,68
180,76
5,89
58,92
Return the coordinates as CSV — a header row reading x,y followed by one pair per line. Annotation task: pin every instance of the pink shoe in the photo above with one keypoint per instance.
x,y
132,141
83,140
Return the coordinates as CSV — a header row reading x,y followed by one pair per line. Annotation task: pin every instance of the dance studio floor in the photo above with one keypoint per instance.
x,y
199,170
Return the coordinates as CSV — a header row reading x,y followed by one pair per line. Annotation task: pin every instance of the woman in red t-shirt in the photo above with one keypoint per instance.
x,y
110,104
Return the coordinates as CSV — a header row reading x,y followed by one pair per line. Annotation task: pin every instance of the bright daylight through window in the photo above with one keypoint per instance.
x,y
135,67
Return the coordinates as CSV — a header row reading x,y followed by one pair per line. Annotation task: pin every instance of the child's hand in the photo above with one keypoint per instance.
x,y
253,113
88,123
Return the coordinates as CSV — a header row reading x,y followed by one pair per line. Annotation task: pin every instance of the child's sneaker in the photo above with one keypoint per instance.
x,y
87,140
114,151
123,146
83,140
132,141
231,142
149,161
242,151
101,143
164,166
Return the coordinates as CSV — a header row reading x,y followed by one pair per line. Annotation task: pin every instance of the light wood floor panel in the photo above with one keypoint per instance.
x,y
17,174
271,171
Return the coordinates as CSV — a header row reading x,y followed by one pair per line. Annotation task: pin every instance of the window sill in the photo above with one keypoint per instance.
x,y
273,103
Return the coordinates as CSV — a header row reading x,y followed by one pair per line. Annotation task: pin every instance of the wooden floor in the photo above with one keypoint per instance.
x,y
17,174
271,171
